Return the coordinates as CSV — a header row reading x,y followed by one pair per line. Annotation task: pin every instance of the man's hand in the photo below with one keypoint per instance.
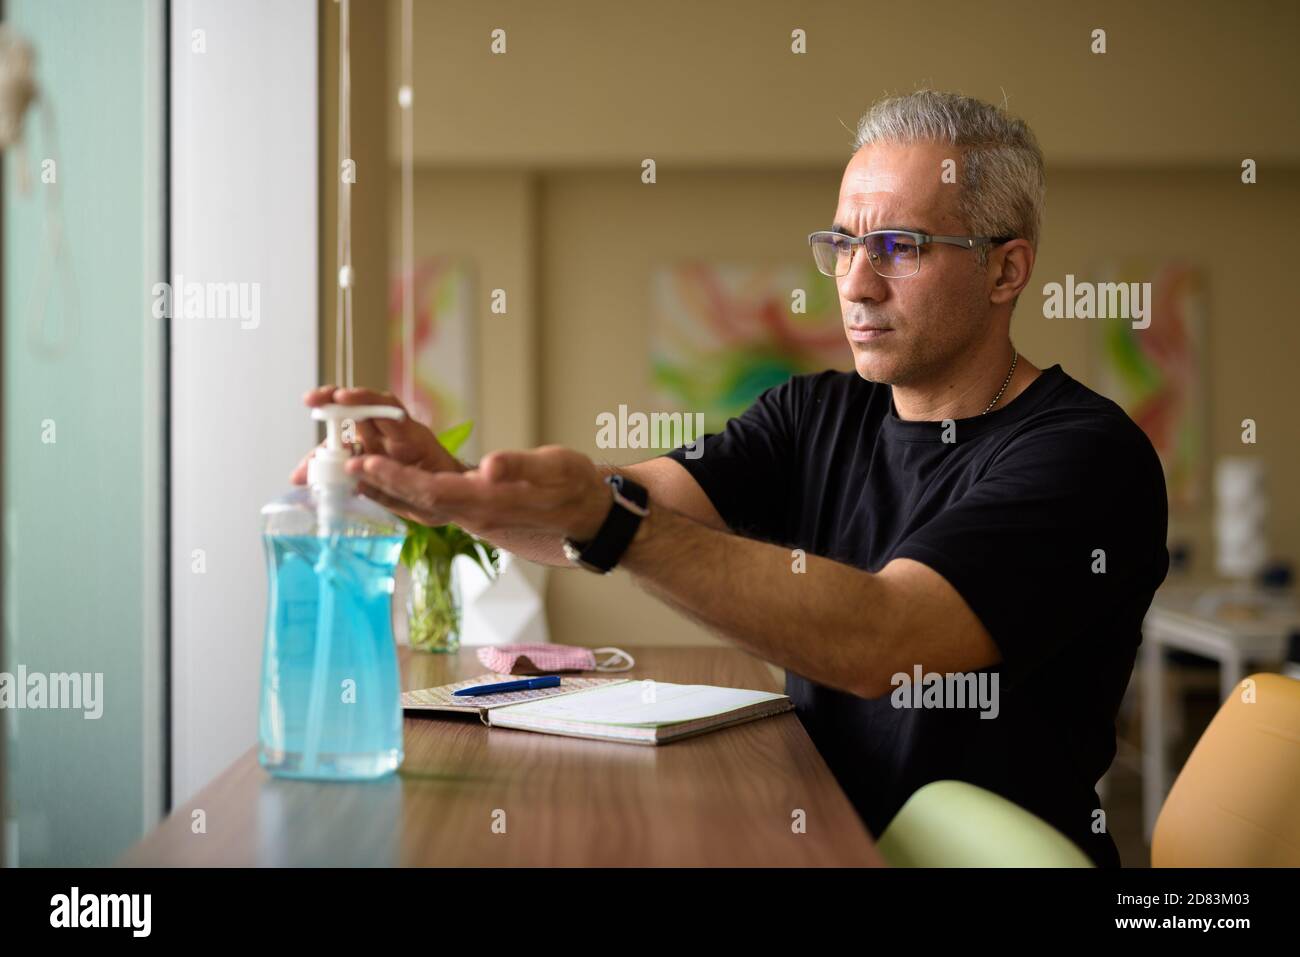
x,y
404,441
551,490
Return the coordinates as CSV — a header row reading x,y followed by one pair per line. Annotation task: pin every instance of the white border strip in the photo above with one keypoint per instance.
x,y
244,206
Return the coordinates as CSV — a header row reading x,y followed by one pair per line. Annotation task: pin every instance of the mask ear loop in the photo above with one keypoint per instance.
x,y
610,663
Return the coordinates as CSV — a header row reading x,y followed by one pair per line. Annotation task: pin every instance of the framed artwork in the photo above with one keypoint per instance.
x,y
443,382
722,333
1157,374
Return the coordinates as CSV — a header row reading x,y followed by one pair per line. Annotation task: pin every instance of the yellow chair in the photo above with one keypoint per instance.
x,y
1236,802
956,824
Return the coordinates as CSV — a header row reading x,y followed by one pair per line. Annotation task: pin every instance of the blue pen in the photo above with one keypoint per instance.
x,y
527,684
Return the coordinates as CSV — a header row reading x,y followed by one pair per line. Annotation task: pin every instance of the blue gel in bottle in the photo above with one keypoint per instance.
x,y
331,697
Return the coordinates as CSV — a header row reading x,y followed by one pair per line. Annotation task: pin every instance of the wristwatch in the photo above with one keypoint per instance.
x,y
602,553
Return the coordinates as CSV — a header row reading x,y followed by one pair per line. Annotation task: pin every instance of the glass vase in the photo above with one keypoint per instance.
x,y
433,606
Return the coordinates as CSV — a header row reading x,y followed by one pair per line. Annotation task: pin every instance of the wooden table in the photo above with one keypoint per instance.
x,y
727,798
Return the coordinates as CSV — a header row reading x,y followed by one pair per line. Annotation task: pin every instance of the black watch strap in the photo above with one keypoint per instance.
x,y
602,553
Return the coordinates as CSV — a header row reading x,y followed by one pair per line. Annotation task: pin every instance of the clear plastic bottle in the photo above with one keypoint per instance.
x,y
331,699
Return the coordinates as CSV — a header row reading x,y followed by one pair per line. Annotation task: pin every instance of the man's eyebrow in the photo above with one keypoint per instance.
x,y
837,228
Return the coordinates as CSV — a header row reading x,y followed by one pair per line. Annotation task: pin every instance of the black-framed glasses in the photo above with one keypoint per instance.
x,y
893,253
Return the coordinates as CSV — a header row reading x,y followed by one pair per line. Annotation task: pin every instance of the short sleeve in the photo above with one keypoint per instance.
x,y
747,469
1063,539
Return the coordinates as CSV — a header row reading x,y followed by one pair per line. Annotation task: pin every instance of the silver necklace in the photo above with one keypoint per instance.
x,y
1015,356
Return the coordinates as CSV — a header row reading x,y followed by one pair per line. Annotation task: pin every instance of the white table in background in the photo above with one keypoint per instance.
x,y
1182,616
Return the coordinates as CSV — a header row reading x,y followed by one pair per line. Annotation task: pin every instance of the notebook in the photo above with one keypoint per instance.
x,y
605,709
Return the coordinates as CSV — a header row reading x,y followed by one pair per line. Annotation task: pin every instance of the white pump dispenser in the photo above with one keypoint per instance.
x,y
325,470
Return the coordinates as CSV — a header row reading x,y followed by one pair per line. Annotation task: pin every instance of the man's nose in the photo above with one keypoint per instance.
x,y
862,282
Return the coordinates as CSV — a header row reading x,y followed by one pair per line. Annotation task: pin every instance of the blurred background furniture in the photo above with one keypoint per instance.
x,y
1235,802
1235,626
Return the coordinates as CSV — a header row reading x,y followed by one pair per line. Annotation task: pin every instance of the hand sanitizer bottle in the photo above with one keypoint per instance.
x,y
331,702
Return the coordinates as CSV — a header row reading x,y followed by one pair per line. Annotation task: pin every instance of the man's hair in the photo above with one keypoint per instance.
x,y
1001,173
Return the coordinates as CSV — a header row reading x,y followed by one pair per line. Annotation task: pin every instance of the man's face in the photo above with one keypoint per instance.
x,y
908,330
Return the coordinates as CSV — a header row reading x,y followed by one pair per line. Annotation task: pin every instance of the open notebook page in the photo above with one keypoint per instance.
x,y
643,704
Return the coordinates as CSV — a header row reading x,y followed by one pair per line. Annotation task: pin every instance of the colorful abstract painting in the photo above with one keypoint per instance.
x,y
722,333
1157,374
443,383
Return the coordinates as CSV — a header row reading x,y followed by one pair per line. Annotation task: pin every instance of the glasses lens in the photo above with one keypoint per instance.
x,y
832,254
894,255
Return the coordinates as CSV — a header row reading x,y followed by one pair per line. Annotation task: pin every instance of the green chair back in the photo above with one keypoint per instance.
x,y
956,824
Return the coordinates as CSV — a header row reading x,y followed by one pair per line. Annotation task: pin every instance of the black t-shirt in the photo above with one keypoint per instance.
x,y
1020,510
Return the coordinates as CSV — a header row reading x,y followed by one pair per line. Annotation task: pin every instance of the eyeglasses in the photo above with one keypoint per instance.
x,y
893,253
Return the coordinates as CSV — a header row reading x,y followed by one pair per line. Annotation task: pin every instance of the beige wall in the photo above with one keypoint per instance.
x,y
488,218
522,162
1253,339
586,82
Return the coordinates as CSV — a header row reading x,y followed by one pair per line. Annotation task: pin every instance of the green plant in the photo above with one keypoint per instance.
x,y
428,552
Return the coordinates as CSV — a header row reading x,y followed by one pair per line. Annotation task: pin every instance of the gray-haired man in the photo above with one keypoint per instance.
x,y
950,508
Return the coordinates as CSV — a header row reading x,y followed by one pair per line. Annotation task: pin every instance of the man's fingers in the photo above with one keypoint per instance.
x,y
544,466
321,395
405,483
396,505
359,396
455,494
370,430
371,438
327,394
299,475
366,430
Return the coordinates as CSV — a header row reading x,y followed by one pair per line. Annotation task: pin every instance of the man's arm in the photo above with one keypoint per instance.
x,y
838,625
832,623
668,483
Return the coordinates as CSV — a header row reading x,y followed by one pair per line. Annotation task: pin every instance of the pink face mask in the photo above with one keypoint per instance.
x,y
546,659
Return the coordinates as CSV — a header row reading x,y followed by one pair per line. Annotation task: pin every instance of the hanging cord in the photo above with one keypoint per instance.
x,y
343,299
18,91
404,100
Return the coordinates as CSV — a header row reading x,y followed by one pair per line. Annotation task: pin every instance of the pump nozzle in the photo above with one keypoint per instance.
x,y
326,466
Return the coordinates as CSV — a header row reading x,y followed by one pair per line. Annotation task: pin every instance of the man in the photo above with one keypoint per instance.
x,y
948,509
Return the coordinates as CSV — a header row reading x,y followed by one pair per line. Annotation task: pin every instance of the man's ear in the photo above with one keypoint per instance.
x,y
1010,267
